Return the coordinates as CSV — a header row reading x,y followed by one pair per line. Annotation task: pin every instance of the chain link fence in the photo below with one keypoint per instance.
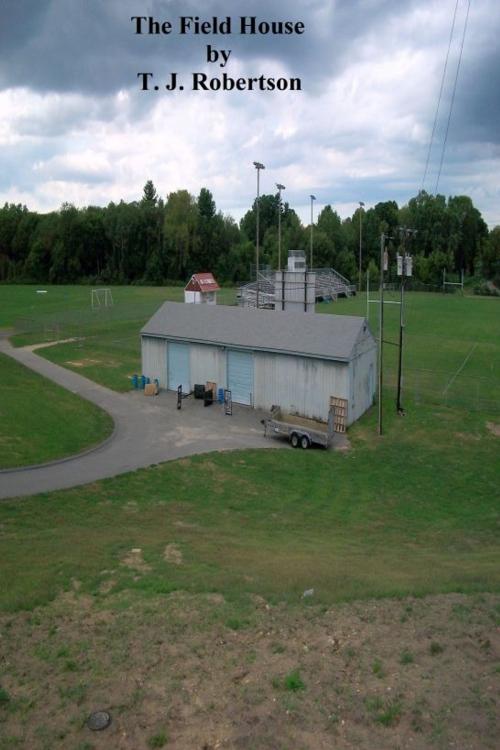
x,y
422,386
83,322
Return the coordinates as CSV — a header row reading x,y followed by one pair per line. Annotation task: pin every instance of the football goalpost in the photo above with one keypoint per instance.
x,y
453,283
101,298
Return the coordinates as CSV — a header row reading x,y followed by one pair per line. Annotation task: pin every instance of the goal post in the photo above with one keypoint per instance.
x,y
453,283
102,297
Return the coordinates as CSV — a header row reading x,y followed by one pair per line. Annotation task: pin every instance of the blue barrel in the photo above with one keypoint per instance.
x,y
143,382
135,381
220,397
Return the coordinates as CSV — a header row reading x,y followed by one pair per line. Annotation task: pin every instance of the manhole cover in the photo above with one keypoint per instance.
x,y
99,720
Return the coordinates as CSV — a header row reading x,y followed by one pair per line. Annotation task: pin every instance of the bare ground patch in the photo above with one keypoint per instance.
x,y
82,362
419,673
494,428
135,560
172,554
467,437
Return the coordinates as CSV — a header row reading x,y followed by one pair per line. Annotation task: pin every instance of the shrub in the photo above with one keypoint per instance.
x,y
157,740
294,682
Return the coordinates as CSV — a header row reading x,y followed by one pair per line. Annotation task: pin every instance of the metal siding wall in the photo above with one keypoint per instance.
x,y
362,391
154,361
208,363
299,384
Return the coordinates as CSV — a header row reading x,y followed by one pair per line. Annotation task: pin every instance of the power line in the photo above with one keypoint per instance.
x,y
443,77
453,96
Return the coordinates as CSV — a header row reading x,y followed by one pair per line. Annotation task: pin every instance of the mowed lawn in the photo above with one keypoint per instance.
x,y
451,343
451,347
107,345
413,512
40,421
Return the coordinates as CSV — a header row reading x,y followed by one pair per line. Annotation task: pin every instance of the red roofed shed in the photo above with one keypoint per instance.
x,y
201,289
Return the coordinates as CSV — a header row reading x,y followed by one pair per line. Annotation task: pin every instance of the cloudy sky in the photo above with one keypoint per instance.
x,y
76,127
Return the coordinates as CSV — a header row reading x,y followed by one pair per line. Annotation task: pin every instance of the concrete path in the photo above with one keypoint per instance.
x,y
148,430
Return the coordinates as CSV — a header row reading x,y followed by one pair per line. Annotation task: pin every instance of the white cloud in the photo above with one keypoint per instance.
x,y
361,132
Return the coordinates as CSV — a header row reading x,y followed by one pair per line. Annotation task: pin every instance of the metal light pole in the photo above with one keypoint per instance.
x,y
361,205
258,166
313,198
280,188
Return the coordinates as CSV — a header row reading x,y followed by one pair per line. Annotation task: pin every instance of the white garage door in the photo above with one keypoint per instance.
x,y
240,376
178,366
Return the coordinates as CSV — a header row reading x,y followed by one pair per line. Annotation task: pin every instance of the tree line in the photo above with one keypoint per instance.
x,y
156,241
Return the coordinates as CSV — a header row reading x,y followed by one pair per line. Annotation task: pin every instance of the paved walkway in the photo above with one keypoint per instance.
x,y
148,430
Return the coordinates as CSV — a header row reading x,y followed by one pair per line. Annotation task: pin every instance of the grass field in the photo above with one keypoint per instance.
x,y
409,513
442,334
451,346
413,513
108,349
39,421
174,595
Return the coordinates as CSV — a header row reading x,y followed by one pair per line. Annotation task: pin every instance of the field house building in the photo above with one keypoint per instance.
x,y
266,358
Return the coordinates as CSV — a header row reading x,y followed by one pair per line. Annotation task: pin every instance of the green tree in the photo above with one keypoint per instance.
x,y
490,256
467,230
149,194
208,231
45,236
181,238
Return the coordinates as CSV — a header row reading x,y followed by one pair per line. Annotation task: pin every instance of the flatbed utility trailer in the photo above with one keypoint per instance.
x,y
299,430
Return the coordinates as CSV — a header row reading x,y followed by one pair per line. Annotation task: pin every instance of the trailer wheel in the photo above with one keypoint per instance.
x,y
305,442
294,439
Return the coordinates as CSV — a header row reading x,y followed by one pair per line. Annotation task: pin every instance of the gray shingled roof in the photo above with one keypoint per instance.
x,y
307,334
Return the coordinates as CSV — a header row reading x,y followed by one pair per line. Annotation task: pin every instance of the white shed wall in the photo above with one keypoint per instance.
x,y
154,359
363,369
299,384
191,297
208,363
200,298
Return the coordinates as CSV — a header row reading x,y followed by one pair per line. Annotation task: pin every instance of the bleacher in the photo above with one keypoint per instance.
x,y
330,285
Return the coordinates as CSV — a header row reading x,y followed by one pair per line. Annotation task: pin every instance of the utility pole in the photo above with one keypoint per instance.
x,y
381,333
404,269
399,408
280,188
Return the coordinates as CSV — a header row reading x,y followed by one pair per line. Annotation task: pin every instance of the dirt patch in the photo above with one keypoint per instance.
x,y
82,362
494,428
134,560
186,525
172,554
467,437
385,674
130,507
107,586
